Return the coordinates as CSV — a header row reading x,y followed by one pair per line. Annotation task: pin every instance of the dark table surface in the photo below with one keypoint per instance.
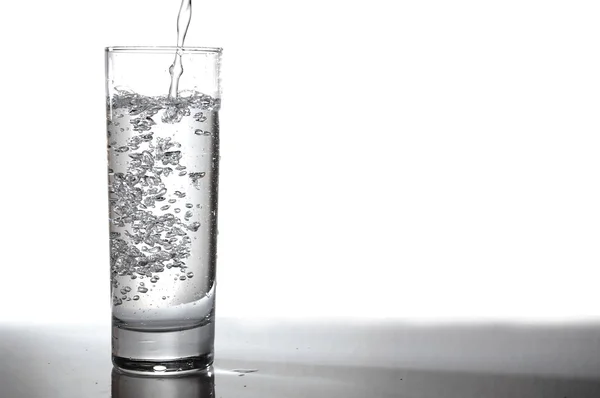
x,y
268,358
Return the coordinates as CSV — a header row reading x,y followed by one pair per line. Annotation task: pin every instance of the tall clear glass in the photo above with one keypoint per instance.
x,y
163,163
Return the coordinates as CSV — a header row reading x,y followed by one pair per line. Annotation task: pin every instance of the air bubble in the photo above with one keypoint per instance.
x,y
196,177
171,157
194,226
199,117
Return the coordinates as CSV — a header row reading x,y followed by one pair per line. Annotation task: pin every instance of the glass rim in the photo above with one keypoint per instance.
x,y
163,49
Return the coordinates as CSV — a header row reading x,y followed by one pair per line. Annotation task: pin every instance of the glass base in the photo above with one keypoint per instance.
x,y
160,352
179,367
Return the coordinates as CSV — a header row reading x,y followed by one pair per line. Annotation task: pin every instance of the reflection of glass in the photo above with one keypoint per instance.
x,y
186,385
163,163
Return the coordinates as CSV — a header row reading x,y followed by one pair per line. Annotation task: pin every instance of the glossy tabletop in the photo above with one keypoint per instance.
x,y
270,358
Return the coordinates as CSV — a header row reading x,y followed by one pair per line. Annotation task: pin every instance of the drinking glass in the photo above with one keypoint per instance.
x,y
163,166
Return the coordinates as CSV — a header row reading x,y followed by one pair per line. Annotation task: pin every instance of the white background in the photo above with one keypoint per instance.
x,y
428,160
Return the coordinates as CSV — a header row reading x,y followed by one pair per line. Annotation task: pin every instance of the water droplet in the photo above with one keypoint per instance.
x,y
177,210
180,194
190,274
189,205
164,297
122,149
165,207
182,278
172,200
244,371
141,290
182,173
127,289
159,368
